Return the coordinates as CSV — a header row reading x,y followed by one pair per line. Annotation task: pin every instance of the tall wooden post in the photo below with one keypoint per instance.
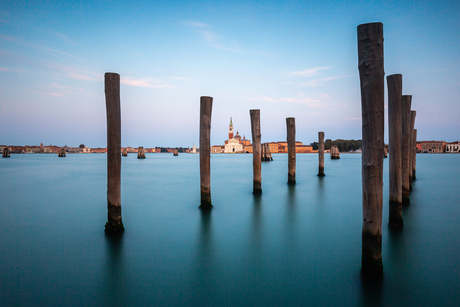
x,y
406,104
112,101
371,73
321,154
290,124
411,148
205,151
394,83
414,156
256,151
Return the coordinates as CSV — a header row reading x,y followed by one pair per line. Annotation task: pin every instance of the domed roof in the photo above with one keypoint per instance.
x,y
237,135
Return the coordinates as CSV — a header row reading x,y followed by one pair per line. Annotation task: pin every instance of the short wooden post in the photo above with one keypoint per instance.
x,y
112,100
414,156
394,83
6,152
256,151
205,151
405,118
371,73
61,152
175,153
290,124
321,154
124,152
411,148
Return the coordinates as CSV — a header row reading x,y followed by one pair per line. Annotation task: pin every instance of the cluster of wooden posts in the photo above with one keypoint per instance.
x,y
6,152
335,154
61,152
266,154
140,153
402,147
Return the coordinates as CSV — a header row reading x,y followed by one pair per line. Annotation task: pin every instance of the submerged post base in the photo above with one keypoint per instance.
x,y
291,182
371,263
205,201
405,200
114,228
395,219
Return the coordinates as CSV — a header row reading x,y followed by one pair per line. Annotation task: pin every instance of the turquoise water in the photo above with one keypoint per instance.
x,y
292,246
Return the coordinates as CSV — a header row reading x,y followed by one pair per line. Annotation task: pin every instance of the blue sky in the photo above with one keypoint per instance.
x,y
288,59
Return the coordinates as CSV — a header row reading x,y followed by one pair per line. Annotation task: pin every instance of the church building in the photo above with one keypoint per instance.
x,y
233,144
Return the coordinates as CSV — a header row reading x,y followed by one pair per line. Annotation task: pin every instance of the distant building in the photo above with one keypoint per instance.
x,y
233,145
432,146
453,147
194,148
217,149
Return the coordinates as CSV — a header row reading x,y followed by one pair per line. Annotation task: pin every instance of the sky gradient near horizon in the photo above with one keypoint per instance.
x,y
288,59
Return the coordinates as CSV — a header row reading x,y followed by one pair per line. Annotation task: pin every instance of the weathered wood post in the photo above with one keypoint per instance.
x,y
175,153
112,101
394,83
321,154
205,151
256,151
414,156
61,152
405,118
6,152
140,153
124,152
371,73
412,146
290,124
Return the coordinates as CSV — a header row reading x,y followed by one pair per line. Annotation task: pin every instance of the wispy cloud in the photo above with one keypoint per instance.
x,y
300,99
260,99
211,37
308,72
178,78
62,37
321,81
144,82
26,44
82,77
4,69
52,94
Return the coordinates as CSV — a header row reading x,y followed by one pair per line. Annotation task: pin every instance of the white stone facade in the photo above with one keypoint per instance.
x,y
453,147
233,146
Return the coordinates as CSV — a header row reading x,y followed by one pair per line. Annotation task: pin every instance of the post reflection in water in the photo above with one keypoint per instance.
x,y
372,292
115,271
205,267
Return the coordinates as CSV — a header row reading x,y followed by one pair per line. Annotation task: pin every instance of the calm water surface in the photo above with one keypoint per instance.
x,y
292,246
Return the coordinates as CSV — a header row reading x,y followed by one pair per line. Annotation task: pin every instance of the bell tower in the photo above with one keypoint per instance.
x,y
230,130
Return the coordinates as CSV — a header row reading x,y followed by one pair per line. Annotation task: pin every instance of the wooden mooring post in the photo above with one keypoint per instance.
x,y
411,147
290,125
394,83
414,155
335,153
140,153
6,152
112,100
371,73
256,151
124,152
175,153
61,152
321,154
405,141
205,151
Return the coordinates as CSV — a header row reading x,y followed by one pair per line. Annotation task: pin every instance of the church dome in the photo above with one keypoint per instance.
x,y
237,135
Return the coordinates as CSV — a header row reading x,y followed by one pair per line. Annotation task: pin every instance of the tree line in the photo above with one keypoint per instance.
x,y
342,145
